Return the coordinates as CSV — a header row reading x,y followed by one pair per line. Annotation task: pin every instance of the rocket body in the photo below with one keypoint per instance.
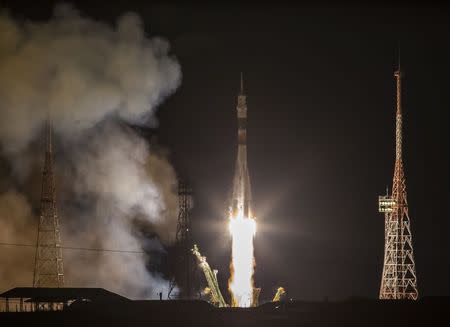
x,y
241,198
242,224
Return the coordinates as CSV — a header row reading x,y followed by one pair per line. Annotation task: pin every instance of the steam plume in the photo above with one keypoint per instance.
x,y
93,80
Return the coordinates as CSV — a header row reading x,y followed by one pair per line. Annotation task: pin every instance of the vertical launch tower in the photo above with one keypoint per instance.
x,y
399,273
185,263
48,267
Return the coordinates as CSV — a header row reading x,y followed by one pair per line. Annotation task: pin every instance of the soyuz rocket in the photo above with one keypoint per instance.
x,y
241,204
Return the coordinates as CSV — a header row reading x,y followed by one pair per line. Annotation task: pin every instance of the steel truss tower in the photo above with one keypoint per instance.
x,y
185,261
48,266
399,279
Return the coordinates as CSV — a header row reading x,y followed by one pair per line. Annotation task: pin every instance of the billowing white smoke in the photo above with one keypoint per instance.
x,y
81,71
112,174
15,221
113,190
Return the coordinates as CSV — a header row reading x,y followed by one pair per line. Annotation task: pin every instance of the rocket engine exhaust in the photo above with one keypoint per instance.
x,y
242,266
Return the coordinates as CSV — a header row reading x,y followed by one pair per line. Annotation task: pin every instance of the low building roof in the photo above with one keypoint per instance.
x,y
62,294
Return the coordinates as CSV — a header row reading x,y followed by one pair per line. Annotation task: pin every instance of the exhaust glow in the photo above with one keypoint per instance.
x,y
242,230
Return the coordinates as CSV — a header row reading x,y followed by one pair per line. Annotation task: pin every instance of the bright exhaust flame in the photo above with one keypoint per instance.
x,y
242,265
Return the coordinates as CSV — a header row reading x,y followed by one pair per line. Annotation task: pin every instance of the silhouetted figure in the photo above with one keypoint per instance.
x,y
160,296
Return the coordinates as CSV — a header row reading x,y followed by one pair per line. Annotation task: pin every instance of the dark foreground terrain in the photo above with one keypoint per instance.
x,y
433,311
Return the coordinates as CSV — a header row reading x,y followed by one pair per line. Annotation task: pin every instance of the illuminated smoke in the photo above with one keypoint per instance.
x,y
82,72
113,190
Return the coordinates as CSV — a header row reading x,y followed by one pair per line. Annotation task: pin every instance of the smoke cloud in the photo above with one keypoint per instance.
x,y
114,190
80,71
16,219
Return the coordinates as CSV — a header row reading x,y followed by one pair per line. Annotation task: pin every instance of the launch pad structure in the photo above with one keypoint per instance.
x,y
213,289
185,270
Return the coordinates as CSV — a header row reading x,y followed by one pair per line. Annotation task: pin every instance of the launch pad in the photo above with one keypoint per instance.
x,y
103,308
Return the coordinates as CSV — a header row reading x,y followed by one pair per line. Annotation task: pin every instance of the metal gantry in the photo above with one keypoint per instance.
x,y
186,268
48,267
399,279
211,279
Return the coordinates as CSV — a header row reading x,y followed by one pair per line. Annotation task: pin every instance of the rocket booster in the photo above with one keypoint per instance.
x,y
242,116
241,199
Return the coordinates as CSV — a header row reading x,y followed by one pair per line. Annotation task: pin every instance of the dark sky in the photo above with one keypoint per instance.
x,y
321,97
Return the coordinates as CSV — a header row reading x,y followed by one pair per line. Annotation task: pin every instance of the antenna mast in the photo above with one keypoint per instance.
x,y
399,279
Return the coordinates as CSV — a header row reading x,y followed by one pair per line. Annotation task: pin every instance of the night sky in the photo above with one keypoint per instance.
x,y
321,97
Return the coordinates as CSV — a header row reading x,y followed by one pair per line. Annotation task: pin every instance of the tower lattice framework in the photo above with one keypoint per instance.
x,y
399,279
48,268
186,267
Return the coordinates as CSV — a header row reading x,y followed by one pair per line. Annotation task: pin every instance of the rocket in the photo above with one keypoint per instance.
x,y
241,204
